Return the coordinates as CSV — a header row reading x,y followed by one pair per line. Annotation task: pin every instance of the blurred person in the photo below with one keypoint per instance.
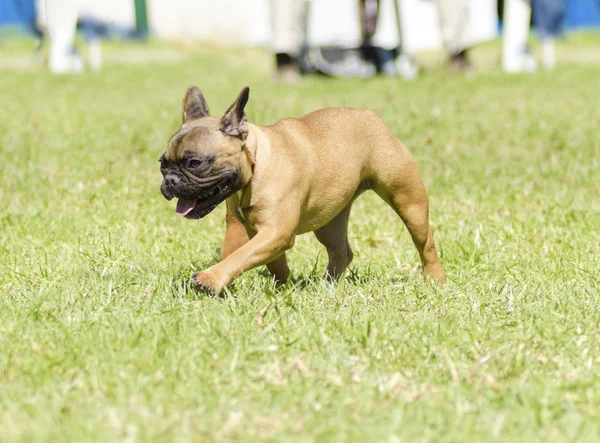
x,y
288,30
548,19
516,55
293,56
61,18
387,60
454,17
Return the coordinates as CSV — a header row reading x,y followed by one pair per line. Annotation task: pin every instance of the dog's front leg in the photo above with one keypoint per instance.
x,y
268,244
235,235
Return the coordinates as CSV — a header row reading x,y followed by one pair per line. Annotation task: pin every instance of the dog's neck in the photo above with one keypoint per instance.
x,y
257,148
251,142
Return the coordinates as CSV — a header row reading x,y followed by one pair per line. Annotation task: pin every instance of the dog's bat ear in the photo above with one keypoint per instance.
x,y
234,122
194,104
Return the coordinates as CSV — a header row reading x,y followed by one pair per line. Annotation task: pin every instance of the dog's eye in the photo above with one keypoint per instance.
x,y
194,163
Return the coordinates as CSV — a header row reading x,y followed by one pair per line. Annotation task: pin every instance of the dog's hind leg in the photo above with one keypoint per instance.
x,y
279,269
334,236
405,193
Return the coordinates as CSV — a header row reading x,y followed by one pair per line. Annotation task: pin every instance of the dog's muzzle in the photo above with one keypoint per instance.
x,y
164,189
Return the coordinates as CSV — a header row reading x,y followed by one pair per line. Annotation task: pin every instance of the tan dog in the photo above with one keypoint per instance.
x,y
289,178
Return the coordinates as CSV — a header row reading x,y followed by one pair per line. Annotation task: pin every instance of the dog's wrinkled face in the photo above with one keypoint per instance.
x,y
206,160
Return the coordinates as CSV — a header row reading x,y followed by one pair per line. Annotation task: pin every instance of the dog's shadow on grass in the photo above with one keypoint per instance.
x,y
361,277
181,286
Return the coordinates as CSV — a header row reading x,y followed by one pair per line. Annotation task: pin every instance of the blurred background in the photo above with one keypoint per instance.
x,y
343,38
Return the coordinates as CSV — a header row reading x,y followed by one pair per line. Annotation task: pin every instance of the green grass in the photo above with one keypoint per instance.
x,y
101,341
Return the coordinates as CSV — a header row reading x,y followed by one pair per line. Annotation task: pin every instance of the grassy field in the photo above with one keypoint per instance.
x,y
101,341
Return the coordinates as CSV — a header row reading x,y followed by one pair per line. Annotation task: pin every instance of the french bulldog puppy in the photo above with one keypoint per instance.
x,y
288,178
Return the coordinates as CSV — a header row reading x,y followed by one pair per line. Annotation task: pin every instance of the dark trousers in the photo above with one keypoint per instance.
x,y
548,17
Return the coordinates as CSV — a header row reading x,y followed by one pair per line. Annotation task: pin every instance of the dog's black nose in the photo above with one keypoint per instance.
x,y
172,180
165,191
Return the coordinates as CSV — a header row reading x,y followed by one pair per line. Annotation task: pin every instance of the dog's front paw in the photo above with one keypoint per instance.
x,y
205,283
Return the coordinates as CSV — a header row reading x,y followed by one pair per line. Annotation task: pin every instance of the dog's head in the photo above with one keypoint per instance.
x,y
207,160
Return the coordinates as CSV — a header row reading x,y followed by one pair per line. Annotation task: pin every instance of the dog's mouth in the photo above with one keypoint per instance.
x,y
184,207
206,202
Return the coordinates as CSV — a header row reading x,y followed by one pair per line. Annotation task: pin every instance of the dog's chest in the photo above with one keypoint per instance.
x,y
235,205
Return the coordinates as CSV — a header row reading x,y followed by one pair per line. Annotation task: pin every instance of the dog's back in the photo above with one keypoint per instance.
x,y
356,141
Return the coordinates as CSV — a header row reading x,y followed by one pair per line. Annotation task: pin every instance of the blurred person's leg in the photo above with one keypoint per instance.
x,y
93,30
515,51
61,23
548,17
95,54
288,24
454,26
406,65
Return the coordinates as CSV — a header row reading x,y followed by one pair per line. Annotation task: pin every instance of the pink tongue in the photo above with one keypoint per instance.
x,y
184,207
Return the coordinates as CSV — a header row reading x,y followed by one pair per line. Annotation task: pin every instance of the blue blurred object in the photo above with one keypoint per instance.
x,y
19,14
582,14
94,29
579,14
22,14
548,17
